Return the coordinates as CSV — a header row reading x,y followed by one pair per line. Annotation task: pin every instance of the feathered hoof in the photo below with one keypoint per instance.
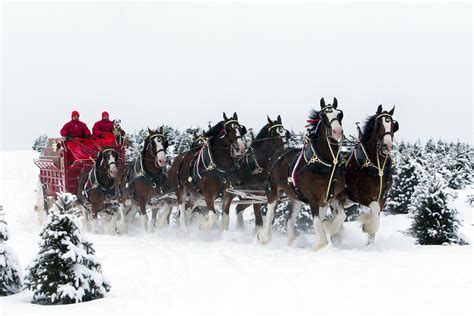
x,y
264,237
290,241
160,223
183,233
319,246
208,222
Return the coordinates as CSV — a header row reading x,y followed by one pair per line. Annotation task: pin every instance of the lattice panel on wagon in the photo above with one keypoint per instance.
x,y
51,177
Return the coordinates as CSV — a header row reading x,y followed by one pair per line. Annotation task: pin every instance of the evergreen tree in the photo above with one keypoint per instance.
x,y
404,182
10,272
435,220
40,143
65,269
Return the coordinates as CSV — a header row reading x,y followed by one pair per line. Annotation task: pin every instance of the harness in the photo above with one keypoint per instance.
x,y
93,183
140,172
204,156
252,163
314,162
359,154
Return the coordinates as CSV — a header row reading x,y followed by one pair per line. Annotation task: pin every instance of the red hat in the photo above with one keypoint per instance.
x,y
74,113
104,114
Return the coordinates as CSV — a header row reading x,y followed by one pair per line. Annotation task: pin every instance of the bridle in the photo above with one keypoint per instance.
x,y
380,137
111,163
154,136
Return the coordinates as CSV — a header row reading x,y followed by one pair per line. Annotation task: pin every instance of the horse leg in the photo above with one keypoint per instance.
x,y
257,211
143,216
318,215
180,196
163,221
122,225
111,228
225,211
240,215
333,225
291,221
264,235
371,220
210,219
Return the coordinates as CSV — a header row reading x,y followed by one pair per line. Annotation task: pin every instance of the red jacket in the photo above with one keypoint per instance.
x,y
103,127
75,129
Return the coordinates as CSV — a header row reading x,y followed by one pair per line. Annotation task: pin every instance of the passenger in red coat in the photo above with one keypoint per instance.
x,y
104,126
75,128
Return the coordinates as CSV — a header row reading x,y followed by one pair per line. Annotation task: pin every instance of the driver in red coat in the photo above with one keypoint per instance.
x,y
75,128
104,126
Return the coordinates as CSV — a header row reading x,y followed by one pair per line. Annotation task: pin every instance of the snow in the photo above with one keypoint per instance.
x,y
208,273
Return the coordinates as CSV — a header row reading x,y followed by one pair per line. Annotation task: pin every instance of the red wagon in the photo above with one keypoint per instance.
x,y
61,164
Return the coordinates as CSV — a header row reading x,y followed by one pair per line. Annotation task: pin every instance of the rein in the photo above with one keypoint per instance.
x,y
315,157
369,163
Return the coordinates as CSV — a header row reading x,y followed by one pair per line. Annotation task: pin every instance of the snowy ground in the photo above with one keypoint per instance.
x,y
159,273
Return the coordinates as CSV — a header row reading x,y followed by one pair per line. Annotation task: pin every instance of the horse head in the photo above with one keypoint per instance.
x,y
232,132
156,144
332,119
385,128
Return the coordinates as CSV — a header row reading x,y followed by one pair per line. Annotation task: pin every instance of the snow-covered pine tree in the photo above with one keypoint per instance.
x,y
435,220
135,144
405,180
461,166
11,277
65,269
40,143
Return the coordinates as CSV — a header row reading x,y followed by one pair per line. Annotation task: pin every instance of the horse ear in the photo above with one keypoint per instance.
x,y
150,131
279,119
322,103
235,116
379,109
269,120
392,110
225,116
161,129
334,103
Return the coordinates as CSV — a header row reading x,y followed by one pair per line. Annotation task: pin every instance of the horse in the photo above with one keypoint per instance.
x,y
206,173
369,168
97,186
142,179
253,169
313,175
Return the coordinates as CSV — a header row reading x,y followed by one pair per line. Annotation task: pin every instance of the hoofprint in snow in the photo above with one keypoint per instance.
x,y
209,273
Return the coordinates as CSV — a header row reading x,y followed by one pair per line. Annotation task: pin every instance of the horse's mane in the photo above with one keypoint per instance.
x,y
213,131
313,121
368,129
263,132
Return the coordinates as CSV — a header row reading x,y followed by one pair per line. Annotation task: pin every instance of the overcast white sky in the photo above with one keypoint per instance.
x,y
183,64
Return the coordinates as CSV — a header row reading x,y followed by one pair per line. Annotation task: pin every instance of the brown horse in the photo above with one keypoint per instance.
x,y
97,186
253,169
311,175
369,168
141,180
206,173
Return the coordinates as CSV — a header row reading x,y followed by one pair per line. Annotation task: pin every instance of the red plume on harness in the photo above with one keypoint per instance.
x,y
313,120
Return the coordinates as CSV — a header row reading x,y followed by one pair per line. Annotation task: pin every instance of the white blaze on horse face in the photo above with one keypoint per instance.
x,y
387,139
282,132
336,127
160,158
241,146
112,165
